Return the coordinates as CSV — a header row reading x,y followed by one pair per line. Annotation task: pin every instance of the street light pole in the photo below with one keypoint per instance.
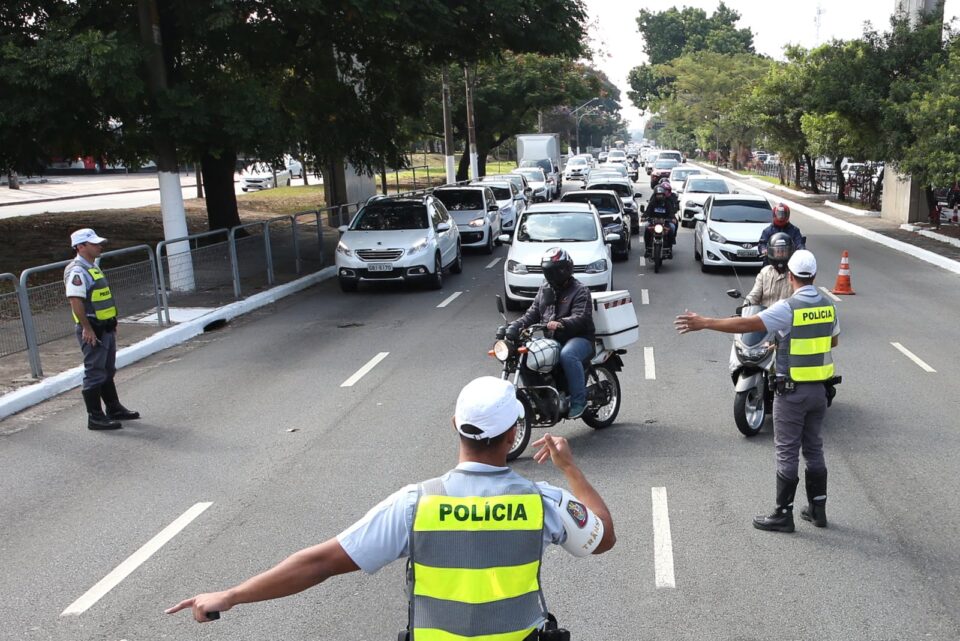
x,y
579,118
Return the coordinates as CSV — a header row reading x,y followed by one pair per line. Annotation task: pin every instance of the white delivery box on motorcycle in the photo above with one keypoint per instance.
x,y
615,319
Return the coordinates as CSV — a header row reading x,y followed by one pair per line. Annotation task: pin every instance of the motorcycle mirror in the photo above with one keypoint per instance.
x,y
643,209
732,293
500,308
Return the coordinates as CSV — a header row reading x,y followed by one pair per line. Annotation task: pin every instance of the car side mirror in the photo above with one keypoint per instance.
x,y
611,238
493,207
505,239
442,227
638,194
643,209
500,307
734,293
342,229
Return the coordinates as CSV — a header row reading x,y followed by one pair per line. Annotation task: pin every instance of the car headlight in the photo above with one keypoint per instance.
x,y
501,350
755,353
477,222
715,237
418,246
516,268
343,249
597,266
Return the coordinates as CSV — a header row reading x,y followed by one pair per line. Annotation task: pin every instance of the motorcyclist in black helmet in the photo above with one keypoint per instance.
x,y
659,206
772,283
563,303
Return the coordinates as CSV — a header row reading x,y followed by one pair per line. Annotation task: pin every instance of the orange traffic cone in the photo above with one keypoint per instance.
x,y
843,277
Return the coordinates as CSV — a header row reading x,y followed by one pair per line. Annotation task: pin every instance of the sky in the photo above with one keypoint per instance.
x,y
775,23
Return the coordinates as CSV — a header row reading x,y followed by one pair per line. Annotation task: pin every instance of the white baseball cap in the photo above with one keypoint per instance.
x,y
803,264
489,405
86,235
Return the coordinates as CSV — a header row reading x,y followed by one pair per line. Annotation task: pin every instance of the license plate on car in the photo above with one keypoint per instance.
x,y
380,267
747,253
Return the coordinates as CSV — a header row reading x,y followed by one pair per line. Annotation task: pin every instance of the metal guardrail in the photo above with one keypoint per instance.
x,y
46,316
12,336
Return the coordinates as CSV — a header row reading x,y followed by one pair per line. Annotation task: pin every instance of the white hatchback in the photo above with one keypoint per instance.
x,y
399,239
575,227
260,175
728,231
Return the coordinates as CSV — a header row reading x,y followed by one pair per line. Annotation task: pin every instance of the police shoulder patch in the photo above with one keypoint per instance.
x,y
77,280
578,511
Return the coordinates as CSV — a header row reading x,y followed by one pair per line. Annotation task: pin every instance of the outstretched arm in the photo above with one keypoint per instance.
x,y
296,573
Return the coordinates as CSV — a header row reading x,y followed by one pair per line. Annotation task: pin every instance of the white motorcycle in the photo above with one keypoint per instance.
x,y
753,369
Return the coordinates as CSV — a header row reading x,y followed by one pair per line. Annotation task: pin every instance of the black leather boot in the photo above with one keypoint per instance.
x,y
96,419
115,410
816,510
782,518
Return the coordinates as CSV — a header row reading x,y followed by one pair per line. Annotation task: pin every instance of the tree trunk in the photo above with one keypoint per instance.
x,y
482,161
13,181
841,183
217,174
812,173
383,178
463,169
796,172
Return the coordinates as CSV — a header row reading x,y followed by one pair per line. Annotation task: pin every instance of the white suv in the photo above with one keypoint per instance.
x,y
575,227
398,239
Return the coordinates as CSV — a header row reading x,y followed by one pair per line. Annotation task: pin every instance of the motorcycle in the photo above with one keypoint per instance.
x,y
753,369
532,361
633,170
658,235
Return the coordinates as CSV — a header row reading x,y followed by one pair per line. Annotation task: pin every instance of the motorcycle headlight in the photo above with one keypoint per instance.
x,y
753,353
501,350
658,229
343,249
477,222
418,246
597,266
516,268
715,237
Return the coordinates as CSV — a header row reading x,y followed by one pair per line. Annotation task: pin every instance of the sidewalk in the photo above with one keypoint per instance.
x,y
67,187
888,228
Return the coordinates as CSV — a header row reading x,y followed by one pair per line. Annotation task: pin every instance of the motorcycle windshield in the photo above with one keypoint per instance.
x,y
753,338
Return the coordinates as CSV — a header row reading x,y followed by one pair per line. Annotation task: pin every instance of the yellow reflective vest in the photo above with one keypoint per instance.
x,y
811,336
99,301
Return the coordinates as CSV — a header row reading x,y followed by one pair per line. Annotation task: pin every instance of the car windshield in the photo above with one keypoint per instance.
x,y
665,164
532,174
542,164
670,155
681,174
460,199
391,216
706,186
554,227
500,193
577,161
605,204
622,190
741,211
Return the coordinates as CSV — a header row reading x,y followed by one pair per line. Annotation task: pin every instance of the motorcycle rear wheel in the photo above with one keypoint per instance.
x,y
749,411
601,417
524,428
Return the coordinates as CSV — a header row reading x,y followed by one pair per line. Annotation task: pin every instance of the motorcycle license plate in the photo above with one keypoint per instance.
x,y
380,267
748,253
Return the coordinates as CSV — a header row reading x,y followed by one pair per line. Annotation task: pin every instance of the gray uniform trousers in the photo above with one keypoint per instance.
x,y
99,359
797,424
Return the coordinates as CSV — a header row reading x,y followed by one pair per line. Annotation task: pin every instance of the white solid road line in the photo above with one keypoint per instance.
x,y
662,542
134,561
830,294
449,300
650,366
644,297
363,371
913,357
493,262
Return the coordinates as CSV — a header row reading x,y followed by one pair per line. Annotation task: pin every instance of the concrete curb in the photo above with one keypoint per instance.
x,y
931,234
906,248
852,210
36,201
25,397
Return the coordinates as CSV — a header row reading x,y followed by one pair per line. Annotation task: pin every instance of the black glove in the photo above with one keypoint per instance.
x,y
512,333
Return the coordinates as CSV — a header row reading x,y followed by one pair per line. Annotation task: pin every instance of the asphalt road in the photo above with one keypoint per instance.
x,y
253,420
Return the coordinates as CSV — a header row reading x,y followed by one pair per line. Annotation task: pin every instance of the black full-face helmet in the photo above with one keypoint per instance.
x,y
557,267
779,250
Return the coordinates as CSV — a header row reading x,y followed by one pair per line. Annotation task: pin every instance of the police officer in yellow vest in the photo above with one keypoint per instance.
x,y
808,328
474,537
95,313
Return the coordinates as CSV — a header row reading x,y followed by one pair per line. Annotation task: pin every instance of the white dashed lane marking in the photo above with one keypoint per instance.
x,y
913,357
449,300
649,365
644,297
830,294
493,263
363,371
133,561
662,541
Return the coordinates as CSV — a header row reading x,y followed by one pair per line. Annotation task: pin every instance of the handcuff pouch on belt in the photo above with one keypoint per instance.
x,y
101,327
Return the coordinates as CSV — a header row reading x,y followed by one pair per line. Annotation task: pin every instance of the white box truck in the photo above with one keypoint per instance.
x,y
542,150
